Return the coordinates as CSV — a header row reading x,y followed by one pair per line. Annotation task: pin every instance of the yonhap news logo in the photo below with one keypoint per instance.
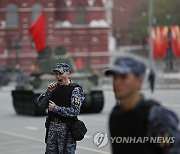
x,y
143,140
100,139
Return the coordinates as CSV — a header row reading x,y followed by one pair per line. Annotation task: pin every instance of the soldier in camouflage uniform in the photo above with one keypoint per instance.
x,y
63,100
135,117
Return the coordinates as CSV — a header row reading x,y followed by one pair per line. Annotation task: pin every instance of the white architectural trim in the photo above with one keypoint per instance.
x,y
104,2
22,55
53,9
91,2
68,3
89,54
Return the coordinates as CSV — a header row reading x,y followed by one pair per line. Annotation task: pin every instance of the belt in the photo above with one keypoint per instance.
x,y
59,120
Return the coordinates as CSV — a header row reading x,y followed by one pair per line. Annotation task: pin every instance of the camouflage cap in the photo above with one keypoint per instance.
x,y
62,67
124,65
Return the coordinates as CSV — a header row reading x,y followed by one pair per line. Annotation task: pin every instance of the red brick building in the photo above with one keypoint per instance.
x,y
123,12
78,25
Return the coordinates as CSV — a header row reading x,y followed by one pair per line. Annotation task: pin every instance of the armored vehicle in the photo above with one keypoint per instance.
x,y
25,95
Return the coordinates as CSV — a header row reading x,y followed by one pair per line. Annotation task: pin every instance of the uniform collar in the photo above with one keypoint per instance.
x,y
137,105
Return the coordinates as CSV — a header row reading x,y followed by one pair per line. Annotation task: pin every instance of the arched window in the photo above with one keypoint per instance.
x,y
36,9
80,14
12,16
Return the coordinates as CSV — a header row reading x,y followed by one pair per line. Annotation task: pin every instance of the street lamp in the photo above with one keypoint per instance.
x,y
169,56
150,34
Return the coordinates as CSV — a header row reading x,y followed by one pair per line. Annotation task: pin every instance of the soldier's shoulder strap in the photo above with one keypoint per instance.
x,y
74,85
150,103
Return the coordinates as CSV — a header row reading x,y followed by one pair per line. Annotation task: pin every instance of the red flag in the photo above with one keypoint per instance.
x,y
37,32
175,42
79,63
160,41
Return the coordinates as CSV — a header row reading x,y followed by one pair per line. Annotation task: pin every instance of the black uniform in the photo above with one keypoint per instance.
x,y
136,123
151,79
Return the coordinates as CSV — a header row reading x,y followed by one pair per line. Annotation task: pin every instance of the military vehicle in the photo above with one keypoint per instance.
x,y
25,95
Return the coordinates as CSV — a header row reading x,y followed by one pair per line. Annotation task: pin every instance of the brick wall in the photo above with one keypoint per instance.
x,y
74,39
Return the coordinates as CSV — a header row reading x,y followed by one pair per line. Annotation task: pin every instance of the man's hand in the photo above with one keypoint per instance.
x,y
52,86
51,105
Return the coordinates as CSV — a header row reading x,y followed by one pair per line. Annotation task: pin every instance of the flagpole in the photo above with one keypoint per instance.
x,y
150,35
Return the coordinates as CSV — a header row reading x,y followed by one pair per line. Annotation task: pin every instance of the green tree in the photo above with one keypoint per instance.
x,y
165,12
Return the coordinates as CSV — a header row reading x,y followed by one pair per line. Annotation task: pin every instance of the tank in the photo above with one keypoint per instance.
x,y
25,95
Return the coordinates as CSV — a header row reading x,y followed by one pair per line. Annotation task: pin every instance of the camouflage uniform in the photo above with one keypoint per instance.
x,y
164,123
57,131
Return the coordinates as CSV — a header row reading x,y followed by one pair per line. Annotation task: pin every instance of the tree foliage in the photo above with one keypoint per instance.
x,y
165,12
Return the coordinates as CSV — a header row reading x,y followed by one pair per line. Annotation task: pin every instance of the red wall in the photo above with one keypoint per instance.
x,y
74,39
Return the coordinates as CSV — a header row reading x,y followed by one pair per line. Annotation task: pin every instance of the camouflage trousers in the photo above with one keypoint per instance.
x,y
56,137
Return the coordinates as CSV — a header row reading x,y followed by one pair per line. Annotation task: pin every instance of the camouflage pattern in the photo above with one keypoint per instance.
x,y
56,137
57,131
164,123
62,67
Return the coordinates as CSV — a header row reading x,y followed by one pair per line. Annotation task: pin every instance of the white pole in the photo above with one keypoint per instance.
x,y
150,35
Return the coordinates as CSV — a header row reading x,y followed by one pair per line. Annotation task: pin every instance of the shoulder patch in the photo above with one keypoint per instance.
x,y
166,140
76,100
